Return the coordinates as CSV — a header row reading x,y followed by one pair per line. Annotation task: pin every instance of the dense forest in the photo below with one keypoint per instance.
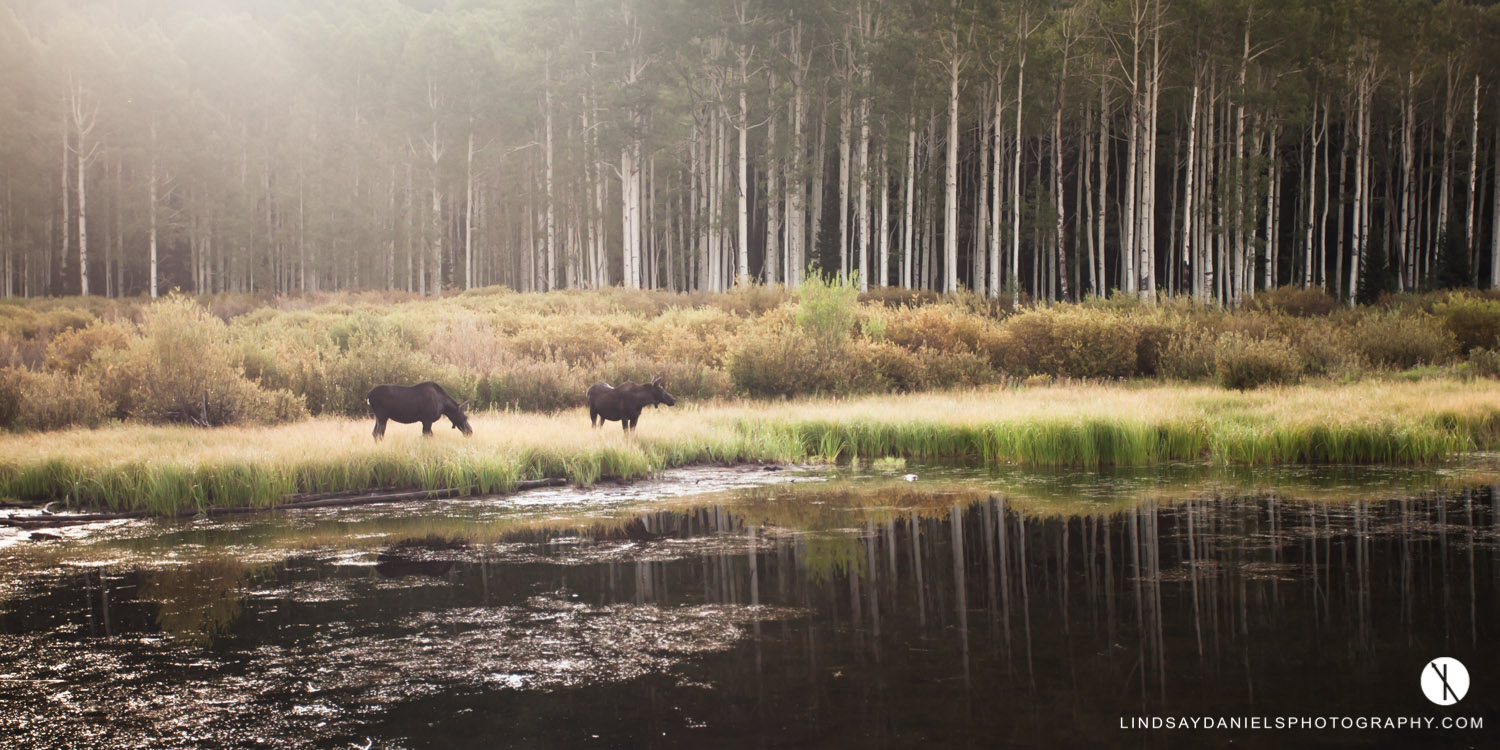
x,y
1042,148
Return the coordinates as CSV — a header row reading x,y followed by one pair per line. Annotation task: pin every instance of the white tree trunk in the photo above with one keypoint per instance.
x,y
845,116
152,211
1015,179
909,202
997,153
770,267
549,252
469,214
1362,144
742,257
1187,193
862,204
950,179
1469,218
883,227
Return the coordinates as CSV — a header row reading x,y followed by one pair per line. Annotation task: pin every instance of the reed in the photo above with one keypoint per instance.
x,y
170,469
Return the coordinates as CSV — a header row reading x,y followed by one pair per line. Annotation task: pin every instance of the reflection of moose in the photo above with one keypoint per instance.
x,y
624,404
413,557
423,402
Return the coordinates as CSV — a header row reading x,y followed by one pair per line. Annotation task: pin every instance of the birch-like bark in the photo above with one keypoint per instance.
x,y
742,126
1015,180
883,227
796,180
1362,146
819,178
85,119
1187,197
151,212
67,201
1103,216
845,116
862,205
908,228
950,176
1057,168
549,250
997,175
1449,116
469,212
770,267
1469,218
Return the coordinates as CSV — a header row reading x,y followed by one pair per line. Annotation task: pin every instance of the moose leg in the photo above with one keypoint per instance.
x,y
593,418
379,432
426,429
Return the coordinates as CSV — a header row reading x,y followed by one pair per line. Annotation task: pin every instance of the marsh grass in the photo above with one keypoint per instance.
x,y
170,469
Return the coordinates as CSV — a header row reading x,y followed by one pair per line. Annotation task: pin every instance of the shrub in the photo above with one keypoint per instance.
x,y
1483,363
1189,354
1092,345
920,328
897,368
895,296
954,369
683,378
778,363
70,350
750,299
1298,302
827,312
532,386
701,336
1324,349
368,363
469,344
1076,343
32,400
1244,363
571,339
1473,321
1402,341
182,369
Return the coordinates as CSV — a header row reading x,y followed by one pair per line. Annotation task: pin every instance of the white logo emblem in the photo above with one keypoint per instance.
x,y
1445,681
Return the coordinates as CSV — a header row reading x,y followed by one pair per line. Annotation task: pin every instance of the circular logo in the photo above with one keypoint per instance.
x,y
1445,680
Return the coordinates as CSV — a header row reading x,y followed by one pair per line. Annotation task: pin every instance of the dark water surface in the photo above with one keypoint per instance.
x,y
1035,610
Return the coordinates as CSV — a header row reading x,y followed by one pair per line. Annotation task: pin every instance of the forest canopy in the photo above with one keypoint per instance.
x,y
1212,148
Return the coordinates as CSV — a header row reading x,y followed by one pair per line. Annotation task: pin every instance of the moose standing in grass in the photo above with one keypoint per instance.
x,y
624,404
423,402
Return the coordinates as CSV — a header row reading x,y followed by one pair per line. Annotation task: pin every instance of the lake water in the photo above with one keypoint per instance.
x,y
737,608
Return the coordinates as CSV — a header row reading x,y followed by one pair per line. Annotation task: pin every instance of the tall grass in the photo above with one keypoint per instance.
x,y
170,469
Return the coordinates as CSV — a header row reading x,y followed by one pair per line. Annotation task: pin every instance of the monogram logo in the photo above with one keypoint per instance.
x,y
1445,681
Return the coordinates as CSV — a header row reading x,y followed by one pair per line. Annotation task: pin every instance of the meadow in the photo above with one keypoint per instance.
x,y
170,469
184,403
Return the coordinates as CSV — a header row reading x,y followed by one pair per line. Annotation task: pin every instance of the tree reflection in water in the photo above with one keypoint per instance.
x,y
828,617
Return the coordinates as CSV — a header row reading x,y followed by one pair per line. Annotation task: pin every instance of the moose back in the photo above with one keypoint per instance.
x,y
623,404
